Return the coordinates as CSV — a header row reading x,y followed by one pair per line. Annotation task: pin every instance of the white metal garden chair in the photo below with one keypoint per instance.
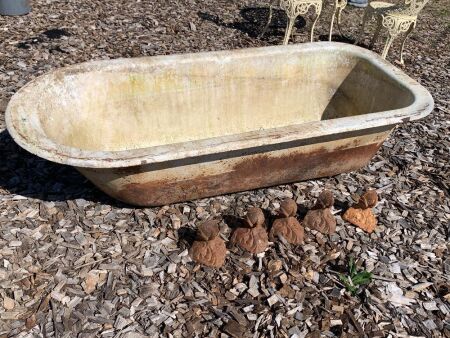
x,y
395,18
293,9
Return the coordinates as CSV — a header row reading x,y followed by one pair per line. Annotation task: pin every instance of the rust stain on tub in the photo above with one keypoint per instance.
x,y
250,173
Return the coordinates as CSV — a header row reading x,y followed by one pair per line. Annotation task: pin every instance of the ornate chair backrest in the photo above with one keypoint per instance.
x,y
297,6
415,6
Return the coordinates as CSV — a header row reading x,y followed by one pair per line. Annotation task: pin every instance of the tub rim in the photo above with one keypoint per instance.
x,y
45,147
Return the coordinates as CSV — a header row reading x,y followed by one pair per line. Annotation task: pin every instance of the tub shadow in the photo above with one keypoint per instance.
x,y
338,38
22,173
254,21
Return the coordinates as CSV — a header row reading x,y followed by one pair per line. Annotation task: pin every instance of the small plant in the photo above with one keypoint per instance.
x,y
354,279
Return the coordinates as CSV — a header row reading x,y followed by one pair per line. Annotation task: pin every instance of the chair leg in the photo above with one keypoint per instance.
x,y
290,25
314,24
366,17
377,32
387,45
411,28
268,22
339,21
331,25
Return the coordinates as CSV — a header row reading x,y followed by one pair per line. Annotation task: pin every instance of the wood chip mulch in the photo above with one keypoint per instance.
x,y
74,263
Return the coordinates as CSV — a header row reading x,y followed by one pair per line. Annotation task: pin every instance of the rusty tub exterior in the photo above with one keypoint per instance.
x,y
181,180
159,130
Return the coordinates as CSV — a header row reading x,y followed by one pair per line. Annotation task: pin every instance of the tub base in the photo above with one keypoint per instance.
x,y
190,179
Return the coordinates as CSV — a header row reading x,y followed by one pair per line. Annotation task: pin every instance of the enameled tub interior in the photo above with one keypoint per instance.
x,y
164,103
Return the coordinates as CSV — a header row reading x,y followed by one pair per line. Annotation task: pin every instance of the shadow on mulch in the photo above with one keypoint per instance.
x,y
255,18
234,222
343,205
186,237
25,174
338,38
301,211
50,34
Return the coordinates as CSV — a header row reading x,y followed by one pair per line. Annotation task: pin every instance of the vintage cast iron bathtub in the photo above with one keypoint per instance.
x,y
158,130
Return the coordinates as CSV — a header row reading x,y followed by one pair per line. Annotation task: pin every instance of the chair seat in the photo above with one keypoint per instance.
x,y
393,10
296,2
406,16
380,4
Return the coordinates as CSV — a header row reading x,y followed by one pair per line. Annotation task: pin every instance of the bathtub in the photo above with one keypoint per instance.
x,y
157,130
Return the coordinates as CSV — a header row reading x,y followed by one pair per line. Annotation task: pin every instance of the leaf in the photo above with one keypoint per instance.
x,y
363,277
352,267
343,279
354,279
348,285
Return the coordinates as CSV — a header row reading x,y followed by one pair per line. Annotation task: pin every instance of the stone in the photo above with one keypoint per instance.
x,y
361,213
362,218
289,228
207,249
320,217
254,238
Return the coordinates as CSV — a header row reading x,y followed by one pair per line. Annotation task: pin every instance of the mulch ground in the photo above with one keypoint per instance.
x,y
74,262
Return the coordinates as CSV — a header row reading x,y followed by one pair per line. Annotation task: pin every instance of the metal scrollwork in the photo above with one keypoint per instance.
x,y
294,8
397,25
396,19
